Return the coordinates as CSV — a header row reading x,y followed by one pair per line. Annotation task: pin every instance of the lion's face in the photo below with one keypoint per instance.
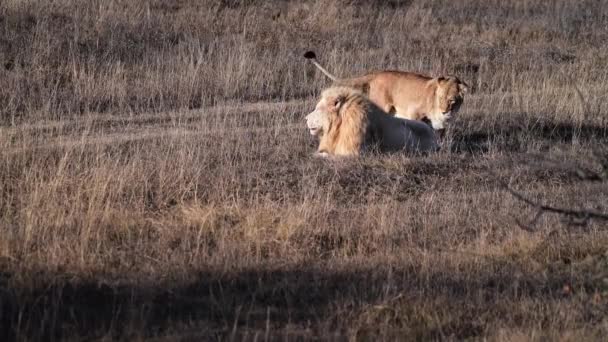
x,y
320,120
448,99
317,122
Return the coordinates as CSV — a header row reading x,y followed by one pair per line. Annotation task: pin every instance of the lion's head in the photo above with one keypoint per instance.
x,y
449,96
326,112
340,121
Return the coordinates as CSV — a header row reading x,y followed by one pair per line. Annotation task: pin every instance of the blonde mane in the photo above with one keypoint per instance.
x,y
349,123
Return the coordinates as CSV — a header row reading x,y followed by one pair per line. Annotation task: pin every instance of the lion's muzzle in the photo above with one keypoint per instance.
x,y
314,122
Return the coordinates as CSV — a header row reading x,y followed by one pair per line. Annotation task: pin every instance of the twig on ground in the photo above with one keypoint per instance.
x,y
583,215
573,216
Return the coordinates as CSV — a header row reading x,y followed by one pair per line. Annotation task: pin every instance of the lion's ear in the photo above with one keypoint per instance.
x,y
338,102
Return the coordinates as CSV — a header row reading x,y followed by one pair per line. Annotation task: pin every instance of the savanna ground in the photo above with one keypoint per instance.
x,y
156,177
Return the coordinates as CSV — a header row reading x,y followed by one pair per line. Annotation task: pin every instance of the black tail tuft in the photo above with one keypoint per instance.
x,y
310,55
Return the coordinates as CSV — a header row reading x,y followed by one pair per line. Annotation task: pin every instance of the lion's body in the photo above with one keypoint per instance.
x,y
409,95
348,123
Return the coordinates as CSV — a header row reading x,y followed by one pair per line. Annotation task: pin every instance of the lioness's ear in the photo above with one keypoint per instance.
x,y
463,87
451,78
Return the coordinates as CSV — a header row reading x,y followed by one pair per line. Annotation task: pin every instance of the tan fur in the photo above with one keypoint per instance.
x,y
409,95
348,123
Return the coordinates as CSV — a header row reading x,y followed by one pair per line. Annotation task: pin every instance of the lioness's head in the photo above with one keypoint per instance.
x,y
449,95
326,112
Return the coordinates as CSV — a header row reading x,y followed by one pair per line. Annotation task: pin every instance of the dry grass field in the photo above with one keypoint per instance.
x,y
157,178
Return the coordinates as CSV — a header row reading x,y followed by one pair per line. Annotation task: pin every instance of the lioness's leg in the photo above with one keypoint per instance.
x,y
405,113
386,106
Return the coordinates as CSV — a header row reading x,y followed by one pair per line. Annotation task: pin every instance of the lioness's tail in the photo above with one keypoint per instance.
x,y
310,55
361,83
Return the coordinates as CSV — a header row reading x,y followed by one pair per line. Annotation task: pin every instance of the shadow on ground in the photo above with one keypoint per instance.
x,y
311,301
515,136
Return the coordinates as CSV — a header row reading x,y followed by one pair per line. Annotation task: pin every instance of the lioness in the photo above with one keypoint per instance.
x,y
348,123
409,95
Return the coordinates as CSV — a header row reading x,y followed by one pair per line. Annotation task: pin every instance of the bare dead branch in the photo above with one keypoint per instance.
x,y
571,216
530,225
582,217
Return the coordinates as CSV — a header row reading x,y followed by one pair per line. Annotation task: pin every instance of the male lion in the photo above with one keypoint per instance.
x,y
409,95
348,123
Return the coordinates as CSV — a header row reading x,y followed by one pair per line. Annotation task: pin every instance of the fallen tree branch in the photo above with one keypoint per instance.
x,y
580,217
583,215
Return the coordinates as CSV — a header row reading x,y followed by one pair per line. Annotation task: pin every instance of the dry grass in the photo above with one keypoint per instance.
x,y
156,177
